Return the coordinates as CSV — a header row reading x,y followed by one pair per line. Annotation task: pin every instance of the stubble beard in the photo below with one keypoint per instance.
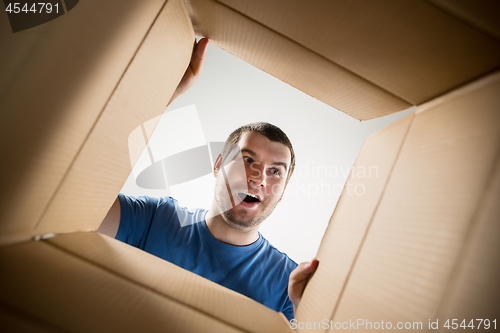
x,y
237,221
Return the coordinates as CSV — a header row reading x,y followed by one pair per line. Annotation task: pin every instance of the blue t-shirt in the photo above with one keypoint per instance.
x,y
181,236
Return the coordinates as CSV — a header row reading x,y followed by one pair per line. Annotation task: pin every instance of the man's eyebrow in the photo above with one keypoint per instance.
x,y
282,164
251,152
254,154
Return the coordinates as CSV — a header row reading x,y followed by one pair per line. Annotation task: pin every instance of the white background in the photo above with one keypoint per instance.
x,y
231,93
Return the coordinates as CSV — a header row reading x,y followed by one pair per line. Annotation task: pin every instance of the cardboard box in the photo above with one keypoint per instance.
x,y
419,246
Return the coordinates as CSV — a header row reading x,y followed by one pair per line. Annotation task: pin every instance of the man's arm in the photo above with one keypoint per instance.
x,y
298,281
111,222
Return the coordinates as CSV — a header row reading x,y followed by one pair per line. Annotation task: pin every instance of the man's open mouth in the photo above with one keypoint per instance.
x,y
248,197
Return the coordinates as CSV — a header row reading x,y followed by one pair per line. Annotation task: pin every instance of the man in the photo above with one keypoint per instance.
x,y
223,244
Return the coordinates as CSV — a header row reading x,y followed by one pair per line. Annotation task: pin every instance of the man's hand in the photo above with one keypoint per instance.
x,y
194,70
298,280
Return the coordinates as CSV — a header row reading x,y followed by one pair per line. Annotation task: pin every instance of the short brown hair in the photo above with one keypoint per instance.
x,y
270,131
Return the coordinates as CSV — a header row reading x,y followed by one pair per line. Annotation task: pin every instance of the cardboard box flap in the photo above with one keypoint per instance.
x,y
174,282
103,164
58,78
74,295
71,153
349,223
411,49
292,62
410,253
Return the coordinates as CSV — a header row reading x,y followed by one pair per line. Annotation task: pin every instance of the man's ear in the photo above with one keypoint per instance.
x,y
217,165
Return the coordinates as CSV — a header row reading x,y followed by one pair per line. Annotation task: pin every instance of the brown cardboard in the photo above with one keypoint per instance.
x,y
298,66
433,196
348,226
90,152
75,295
410,49
58,78
142,94
473,289
171,281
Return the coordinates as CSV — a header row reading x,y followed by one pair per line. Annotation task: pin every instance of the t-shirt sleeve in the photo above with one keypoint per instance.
x,y
136,215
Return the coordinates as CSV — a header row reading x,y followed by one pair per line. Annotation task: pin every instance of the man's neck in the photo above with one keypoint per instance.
x,y
227,234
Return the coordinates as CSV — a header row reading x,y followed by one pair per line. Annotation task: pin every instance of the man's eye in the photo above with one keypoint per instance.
x,y
247,159
276,172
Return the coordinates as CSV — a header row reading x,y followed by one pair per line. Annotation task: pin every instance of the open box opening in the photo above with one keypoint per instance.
x,y
232,93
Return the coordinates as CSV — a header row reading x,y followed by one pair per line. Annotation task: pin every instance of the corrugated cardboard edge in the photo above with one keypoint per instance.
x,y
76,295
60,76
300,67
171,281
325,289
101,165
407,279
466,89
410,48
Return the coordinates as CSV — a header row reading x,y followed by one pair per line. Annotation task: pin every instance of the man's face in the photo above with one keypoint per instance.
x,y
252,182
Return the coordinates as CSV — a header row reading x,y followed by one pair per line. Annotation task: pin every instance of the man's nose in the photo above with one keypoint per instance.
x,y
256,174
